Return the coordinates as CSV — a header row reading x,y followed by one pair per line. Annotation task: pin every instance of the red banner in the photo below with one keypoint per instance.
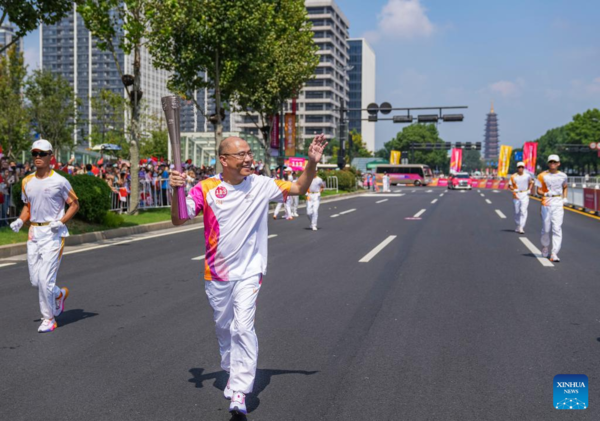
x,y
589,199
530,156
597,200
290,134
456,160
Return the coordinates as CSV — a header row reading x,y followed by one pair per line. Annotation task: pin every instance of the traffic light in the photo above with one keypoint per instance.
x,y
427,118
453,117
403,119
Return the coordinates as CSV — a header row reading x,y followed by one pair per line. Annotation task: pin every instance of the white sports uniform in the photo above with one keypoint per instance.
x,y
287,205
386,183
519,184
235,231
314,200
293,201
46,199
551,186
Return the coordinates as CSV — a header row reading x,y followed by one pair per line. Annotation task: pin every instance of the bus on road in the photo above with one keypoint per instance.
x,y
417,174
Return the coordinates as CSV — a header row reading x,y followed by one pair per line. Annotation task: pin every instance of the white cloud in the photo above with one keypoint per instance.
x,y
402,19
507,89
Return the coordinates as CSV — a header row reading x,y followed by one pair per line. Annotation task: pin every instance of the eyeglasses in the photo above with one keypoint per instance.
x,y
41,154
240,155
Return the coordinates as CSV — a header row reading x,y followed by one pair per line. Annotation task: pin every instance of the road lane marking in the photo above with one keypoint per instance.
x,y
421,212
347,211
500,214
203,256
377,249
488,201
381,201
442,195
397,191
3,265
381,195
429,191
482,195
478,191
433,201
462,191
536,252
412,191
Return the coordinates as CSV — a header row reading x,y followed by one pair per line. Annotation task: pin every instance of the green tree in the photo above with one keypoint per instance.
x,y
123,25
156,141
108,125
471,161
27,15
14,118
53,108
583,130
357,148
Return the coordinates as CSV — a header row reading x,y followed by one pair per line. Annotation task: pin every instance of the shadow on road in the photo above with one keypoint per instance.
x,y
263,379
73,316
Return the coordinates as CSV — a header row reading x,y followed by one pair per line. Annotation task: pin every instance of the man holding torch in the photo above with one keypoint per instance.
x,y
235,207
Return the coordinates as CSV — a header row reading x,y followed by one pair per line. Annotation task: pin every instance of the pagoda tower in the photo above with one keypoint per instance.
x,y
491,142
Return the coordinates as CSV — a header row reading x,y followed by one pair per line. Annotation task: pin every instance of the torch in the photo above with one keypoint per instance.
x,y
172,109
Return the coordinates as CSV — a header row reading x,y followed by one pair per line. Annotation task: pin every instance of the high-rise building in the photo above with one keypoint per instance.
x,y
68,48
492,139
8,34
362,89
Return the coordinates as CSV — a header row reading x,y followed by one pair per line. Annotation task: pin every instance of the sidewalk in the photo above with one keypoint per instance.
x,y
12,250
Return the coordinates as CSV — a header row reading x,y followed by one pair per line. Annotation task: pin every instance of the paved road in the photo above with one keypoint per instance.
x,y
453,318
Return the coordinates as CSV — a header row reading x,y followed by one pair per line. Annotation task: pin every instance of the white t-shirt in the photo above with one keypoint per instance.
x,y
552,184
47,197
315,186
235,224
520,183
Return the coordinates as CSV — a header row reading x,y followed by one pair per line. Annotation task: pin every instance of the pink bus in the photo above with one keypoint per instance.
x,y
417,174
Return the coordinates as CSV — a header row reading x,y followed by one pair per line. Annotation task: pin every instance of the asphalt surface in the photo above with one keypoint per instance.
x,y
454,319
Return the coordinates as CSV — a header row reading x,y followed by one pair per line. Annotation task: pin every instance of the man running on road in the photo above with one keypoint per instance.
x,y
45,194
552,186
520,183
235,207
313,201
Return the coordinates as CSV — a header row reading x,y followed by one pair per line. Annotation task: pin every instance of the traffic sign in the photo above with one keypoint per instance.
x,y
373,108
385,108
593,145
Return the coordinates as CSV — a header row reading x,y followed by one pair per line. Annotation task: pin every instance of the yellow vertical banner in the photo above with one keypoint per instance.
x,y
504,160
290,134
395,157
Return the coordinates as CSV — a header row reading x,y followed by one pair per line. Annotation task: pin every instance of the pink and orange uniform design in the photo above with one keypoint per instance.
x,y
235,224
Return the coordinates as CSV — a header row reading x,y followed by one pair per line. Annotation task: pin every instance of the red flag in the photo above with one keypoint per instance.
x,y
100,161
95,170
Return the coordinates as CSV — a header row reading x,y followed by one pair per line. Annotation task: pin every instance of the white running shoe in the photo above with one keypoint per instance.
x,y
521,231
296,215
545,252
238,403
47,326
59,302
314,227
554,258
228,392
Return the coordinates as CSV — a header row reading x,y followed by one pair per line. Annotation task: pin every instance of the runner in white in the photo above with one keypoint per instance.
x,y
520,183
294,199
287,205
313,200
386,183
235,205
45,194
552,186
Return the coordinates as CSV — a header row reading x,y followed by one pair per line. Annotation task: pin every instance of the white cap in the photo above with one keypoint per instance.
x,y
553,157
42,145
288,169
520,164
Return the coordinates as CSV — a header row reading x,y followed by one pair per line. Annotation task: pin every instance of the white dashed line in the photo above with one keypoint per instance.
x,y
500,214
482,195
377,249
442,195
3,265
429,191
536,252
381,201
412,191
488,201
348,211
421,212
433,201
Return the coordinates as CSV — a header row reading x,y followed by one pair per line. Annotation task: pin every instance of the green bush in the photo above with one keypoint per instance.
x,y
113,220
93,193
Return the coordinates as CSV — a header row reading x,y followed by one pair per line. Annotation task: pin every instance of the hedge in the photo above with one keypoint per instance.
x,y
346,179
93,193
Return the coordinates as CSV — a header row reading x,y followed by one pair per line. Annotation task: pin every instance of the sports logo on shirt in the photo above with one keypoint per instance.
x,y
220,192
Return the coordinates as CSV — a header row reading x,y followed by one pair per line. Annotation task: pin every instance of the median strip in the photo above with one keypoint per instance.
x,y
377,249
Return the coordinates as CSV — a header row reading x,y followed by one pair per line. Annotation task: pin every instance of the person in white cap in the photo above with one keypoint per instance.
x,y
287,205
520,184
45,194
552,186
313,201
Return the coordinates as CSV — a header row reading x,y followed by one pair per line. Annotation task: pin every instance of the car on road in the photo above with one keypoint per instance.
x,y
459,181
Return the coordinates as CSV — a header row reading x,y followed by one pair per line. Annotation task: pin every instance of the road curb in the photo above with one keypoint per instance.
x,y
11,250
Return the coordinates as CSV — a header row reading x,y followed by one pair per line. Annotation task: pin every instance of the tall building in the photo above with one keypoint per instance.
x,y
362,89
492,139
192,120
8,34
67,48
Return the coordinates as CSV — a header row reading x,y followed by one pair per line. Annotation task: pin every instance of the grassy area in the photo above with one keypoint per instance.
x,y
7,236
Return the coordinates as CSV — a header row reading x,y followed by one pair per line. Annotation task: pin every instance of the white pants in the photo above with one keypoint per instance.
x,y
286,206
521,204
312,208
293,204
552,219
386,185
234,308
44,253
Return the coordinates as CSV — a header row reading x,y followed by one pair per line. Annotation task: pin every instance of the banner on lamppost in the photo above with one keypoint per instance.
x,y
290,134
530,156
456,160
395,157
504,160
275,131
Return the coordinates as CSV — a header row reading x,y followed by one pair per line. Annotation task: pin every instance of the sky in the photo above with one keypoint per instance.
x,y
537,60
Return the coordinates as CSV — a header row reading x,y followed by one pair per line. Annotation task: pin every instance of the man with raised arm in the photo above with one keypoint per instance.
x,y
235,206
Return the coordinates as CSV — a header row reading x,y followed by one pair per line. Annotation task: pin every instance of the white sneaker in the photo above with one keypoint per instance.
x,y
554,258
314,227
545,252
47,326
238,403
59,302
228,392
296,215
521,231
